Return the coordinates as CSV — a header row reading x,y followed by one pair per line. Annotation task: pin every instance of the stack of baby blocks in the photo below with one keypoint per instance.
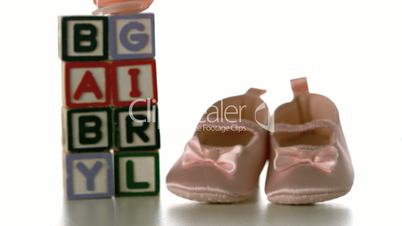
x,y
110,114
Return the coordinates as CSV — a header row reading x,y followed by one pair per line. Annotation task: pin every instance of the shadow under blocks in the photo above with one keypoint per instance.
x,y
110,117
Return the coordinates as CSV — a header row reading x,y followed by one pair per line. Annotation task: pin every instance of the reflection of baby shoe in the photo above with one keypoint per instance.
x,y
223,160
309,158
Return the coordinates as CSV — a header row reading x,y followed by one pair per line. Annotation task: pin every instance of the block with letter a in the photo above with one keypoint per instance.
x,y
87,84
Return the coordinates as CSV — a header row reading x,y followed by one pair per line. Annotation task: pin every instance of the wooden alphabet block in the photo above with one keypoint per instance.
x,y
136,173
134,82
87,84
136,128
132,36
88,130
89,175
84,38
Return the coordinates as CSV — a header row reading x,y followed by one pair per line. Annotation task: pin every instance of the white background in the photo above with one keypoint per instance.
x,y
351,51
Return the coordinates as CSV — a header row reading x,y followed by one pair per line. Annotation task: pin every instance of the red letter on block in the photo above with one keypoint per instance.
x,y
87,84
135,91
134,80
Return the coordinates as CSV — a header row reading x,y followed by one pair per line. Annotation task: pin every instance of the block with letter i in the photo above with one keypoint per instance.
x,y
134,83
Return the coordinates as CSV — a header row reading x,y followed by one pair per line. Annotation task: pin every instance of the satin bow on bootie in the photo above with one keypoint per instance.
x,y
224,158
321,157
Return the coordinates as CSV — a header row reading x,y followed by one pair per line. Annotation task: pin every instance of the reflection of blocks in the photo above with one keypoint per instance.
x,y
84,38
137,130
136,173
134,81
89,129
87,84
132,36
89,175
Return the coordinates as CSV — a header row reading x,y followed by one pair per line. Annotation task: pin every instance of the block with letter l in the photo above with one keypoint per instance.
x,y
136,173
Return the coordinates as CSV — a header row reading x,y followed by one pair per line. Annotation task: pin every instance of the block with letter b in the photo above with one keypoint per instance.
x,y
89,175
136,129
84,38
134,82
132,36
87,84
136,173
88,130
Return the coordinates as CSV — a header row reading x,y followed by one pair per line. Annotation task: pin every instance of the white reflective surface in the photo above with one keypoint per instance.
x,y
162,211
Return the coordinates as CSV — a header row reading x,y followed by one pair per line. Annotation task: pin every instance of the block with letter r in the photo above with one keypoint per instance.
x,y
88,130
137,128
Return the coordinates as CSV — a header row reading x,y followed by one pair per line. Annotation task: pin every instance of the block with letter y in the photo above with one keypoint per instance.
x,y
89,175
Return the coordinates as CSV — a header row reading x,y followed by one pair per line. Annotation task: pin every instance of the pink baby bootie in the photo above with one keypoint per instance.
x,y
223,160
309,158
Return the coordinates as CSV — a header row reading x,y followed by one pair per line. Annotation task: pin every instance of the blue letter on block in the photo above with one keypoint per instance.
x,y
89,175
132,37
138,41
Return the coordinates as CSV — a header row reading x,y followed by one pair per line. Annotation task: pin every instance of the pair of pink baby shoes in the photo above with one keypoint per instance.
x,y
308,157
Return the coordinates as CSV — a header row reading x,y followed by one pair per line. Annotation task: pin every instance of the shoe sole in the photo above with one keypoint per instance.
x,y
287,198
209,195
